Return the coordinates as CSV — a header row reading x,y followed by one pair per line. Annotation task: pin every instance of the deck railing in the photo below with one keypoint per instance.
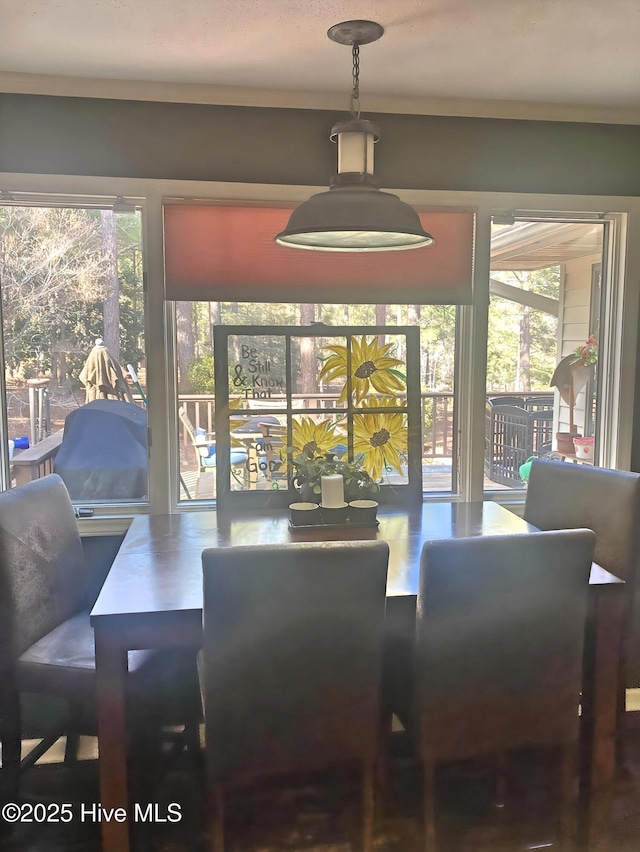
x,y
436,409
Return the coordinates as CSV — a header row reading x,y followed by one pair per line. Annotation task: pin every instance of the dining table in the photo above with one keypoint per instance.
x,y
152,598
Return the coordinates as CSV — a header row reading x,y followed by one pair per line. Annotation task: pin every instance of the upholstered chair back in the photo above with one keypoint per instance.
x,y
43,579
568,496
292,654
499,642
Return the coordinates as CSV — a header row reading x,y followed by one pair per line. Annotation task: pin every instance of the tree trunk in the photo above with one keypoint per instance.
x,y
381,319
54,366
381,314
308,362
524,352
215,318
185,343
111,306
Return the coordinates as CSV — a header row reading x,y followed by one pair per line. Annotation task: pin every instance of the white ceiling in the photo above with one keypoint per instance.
x,y
575,52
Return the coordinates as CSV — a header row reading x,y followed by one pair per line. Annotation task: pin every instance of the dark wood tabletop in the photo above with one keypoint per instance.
x,y
158,568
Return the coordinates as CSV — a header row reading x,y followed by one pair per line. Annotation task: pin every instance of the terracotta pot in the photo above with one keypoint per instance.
x,y
564,442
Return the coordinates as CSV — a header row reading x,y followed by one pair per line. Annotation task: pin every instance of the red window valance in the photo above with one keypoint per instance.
x,y
226,253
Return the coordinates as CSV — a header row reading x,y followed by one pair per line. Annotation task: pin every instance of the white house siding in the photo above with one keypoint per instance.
x,y
573,325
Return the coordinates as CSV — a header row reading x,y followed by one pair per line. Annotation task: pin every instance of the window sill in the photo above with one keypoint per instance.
x,y
104,525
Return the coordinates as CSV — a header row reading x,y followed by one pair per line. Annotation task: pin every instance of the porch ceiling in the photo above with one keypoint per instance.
x,y
537,245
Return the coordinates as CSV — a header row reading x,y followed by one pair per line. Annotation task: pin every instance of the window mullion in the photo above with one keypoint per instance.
x,y
472,372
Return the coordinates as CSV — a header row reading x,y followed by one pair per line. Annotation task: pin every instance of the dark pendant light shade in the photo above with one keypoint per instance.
x,y
354,215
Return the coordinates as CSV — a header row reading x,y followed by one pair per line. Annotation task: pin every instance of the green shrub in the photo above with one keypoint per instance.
x,y
200,374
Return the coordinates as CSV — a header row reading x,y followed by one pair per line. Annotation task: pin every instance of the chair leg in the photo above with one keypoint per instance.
x,y
11,744
429,808
502,780
192,737
368,806
384,740
216,819
73,734
569,798
72,746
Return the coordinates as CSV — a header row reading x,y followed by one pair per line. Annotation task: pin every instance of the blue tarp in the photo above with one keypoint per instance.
x,y
103,454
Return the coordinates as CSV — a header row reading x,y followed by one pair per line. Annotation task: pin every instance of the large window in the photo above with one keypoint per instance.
x,y
73,319
545,294
49,335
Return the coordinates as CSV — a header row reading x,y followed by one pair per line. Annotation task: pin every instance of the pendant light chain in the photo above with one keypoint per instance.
x,y
354,215
355,93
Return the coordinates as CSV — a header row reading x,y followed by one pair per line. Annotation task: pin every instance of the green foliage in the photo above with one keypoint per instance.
x,y
358,484
200,374
53,272
508,341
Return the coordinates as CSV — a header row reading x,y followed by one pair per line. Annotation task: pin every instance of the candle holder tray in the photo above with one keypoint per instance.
x,y
348,525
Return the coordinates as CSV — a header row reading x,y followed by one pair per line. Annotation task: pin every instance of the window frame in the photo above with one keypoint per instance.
x,y
619,320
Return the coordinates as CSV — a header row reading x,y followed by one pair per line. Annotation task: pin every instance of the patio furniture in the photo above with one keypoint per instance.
x,y
103,454
102,376
153,595
291,665
204,447
499,647
507,400
513,434
273,443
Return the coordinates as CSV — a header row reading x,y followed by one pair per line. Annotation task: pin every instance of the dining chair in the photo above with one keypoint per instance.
x,y
46,639
204,447
561,495
500,626
291,665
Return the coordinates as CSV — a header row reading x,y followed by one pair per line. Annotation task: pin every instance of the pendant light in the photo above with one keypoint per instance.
x,y
354,215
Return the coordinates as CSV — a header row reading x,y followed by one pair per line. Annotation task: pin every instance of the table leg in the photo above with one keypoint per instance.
x,y
602,668
111,676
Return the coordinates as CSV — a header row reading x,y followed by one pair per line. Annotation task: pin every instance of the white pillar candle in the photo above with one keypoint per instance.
x,y
332,490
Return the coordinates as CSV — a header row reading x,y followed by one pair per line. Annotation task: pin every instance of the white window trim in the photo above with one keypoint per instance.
x,y
622,317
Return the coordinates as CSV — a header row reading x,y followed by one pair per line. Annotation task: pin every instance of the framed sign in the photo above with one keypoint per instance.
x,y
293,399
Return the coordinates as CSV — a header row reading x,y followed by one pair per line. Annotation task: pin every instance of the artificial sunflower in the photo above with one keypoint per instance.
x,y
380,438
371,367
313,438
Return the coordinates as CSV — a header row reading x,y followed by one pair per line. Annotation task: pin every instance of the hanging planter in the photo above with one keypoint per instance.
x,y
570,377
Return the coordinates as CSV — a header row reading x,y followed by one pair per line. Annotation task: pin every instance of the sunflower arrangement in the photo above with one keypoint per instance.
x,y
372,369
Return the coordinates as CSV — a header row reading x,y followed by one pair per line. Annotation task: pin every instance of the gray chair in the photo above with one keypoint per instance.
x,y
567,496
291,664
499,644
46,639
